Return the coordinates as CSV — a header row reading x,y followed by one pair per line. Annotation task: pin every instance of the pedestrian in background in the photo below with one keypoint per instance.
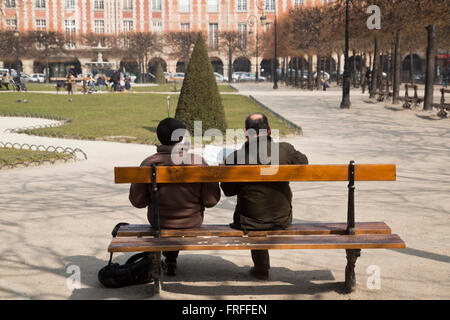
x,y
100,82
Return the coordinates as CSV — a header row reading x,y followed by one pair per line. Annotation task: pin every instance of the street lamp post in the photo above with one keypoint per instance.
x,y
257,41
275,61
16,35
345,104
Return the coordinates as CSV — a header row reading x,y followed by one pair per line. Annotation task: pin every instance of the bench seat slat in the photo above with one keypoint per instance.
x,y
372,241
247,173
142,230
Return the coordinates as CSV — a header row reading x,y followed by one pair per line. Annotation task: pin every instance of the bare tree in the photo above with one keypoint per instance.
x,y
180,45
47,44
141,46
232,42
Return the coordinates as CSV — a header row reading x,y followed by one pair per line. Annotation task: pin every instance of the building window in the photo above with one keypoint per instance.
x,y
185,27
69,4
70,28
99,26
214,35
213,5
10,3
11,23
128,25
270,5
40,4
127,4
298,3
157,26
99,4
242,5
184,6
242,28
156,5
41,24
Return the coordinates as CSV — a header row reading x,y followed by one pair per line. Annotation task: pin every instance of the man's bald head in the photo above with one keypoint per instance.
x,y
257,122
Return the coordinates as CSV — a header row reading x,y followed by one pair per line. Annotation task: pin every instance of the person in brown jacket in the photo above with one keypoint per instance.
x,y
181,206
262,205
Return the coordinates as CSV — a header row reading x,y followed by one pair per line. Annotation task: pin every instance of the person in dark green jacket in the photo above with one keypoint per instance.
x,y
262,205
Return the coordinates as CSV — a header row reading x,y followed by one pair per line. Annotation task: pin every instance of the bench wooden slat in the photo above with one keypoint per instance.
x,y
372,241
145,230
247,173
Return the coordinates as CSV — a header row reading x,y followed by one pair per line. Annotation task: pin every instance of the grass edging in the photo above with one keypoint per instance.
x,y
16,154
298,129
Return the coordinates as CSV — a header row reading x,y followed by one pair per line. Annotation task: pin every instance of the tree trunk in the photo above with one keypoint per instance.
x,y
290,71
330,71
380,71
354,69
310,73
230,64
302,73
373,89
397,69
338,71
411,65
389,70
47,71
319,74
430,69
296,73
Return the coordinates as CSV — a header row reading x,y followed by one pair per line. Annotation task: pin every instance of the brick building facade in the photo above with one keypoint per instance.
x,y
77,17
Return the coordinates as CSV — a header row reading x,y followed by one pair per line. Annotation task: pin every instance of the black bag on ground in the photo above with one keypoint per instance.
x,y
137,269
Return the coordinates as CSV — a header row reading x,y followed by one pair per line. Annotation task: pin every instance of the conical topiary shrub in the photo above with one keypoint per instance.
x,y
159,76
199,98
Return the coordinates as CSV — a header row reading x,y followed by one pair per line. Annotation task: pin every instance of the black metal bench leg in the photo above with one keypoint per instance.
x,y
157,273
442,113
350,278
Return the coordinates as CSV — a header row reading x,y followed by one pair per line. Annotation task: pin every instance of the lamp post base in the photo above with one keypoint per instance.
x,y
345,104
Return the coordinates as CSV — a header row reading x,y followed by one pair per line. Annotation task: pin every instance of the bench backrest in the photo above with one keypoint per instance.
x,y
412,86
253,173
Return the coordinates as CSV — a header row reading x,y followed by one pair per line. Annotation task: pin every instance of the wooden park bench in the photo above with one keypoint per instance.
x,y
408,100
384,91
350,236
443,106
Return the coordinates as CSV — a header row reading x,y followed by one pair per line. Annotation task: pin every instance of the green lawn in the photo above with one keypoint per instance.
x,y
119,117
148,88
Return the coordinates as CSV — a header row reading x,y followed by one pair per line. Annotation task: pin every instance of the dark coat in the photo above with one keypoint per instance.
x,y
181,206
263,205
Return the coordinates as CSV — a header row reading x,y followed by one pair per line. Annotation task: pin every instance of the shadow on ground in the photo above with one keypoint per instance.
x,y
235,280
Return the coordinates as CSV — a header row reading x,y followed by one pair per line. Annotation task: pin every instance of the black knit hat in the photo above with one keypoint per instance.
x,y
166,128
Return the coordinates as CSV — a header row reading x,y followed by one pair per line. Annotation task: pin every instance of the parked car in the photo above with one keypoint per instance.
x,y
178,77
25,77
131,75
236,76
324,75
219,77
248,76
167,75
2,71
37,77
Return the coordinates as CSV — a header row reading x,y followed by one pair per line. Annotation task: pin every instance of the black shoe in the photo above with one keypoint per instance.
x,y
260,275
170,268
